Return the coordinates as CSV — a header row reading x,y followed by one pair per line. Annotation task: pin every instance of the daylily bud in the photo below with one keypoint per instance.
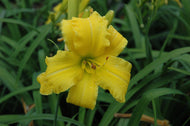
x,y
52,16
109,16
73,8
83,4
63,6
86,12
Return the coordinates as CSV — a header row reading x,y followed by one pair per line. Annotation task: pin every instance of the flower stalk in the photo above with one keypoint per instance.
x,y
56,110
73,8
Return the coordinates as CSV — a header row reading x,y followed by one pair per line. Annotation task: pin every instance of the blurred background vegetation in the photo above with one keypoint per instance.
x,y
158,32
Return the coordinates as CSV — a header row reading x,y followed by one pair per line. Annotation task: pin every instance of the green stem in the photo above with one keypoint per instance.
x,y
155,113
54,43
73,8
82,112
169,37
147,41
56,110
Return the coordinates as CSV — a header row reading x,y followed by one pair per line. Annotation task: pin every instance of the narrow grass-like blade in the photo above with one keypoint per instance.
x,y
23,41
37,98
134,26
146,98
179,70
30,50
115,106
8,41
18,91
10,119
90,117
14,21
2,14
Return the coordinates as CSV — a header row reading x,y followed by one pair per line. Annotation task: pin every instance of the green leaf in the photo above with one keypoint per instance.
x,y
8,79
37,97
179,70
14,21
18,91
169,37
8,41
150,67
134,27
115,106
44,31
123,122
23,41
155,112
104,97
52,100
18,11
82,112
146,98
2,14
10,119
41,59
14,31
180,37
90,116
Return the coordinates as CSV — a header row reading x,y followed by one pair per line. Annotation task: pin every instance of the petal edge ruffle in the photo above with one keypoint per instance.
x,y
88,37
63,71
84,93
117,42
46,87
115,76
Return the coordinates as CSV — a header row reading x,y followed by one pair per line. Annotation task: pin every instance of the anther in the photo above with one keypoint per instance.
x,y
84,61
93,66
60,39
91,10
107,57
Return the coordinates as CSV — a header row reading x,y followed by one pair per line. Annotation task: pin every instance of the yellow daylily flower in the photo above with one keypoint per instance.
x,y
90,61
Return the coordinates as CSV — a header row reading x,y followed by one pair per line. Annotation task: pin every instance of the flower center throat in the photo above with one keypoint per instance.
x,y
89,66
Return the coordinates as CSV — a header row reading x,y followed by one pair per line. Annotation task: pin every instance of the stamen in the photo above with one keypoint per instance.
x,y
84,61
93,66
89,66
107,57
60,39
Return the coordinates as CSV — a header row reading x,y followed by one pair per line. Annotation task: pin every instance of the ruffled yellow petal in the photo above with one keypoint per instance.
x,y
117,42
68,33
63,71
46,87
115,76
87,37
84,93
